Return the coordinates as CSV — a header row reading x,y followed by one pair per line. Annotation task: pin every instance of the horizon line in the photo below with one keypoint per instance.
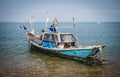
x,y
59,22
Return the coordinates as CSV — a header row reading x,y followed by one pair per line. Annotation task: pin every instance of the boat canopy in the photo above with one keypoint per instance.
x,y
50,37
59,37
67,38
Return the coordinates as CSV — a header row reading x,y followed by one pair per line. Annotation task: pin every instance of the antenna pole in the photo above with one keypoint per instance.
x,y
101,40
100,57
46,22
76,32
31,24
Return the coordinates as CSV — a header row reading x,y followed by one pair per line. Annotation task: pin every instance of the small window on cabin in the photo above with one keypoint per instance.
x,y
56,38
49,37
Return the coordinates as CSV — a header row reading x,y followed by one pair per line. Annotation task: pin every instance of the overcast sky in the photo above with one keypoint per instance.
x,y
63,10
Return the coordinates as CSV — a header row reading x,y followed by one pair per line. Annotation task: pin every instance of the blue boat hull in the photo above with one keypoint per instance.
x,y
69,53
82,53
72,53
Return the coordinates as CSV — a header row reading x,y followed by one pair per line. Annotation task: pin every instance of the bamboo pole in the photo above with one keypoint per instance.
x,y
100,57
76,32
46,23
31,24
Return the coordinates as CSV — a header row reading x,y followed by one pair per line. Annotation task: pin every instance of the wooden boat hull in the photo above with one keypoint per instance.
x,y
79,54
68,53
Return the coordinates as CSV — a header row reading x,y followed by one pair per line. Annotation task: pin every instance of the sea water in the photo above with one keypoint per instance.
x,y
17,58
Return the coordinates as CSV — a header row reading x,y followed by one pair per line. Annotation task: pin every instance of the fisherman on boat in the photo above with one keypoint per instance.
x,y
42,35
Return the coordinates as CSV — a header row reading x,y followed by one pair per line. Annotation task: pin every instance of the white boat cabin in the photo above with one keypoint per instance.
x,y
60,40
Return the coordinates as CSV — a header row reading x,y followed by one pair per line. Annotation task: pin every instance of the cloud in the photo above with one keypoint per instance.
x,y
86,11
110,11
14,9
38,11
116,11
104,11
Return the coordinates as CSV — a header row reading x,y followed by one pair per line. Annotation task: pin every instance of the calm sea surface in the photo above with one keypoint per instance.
x,y
17,59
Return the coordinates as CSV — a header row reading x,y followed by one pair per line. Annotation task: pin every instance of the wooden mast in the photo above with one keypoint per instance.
x,y
31,24
100,57
46,24
76,32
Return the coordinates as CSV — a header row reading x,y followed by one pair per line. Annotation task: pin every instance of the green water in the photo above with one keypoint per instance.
x,y
17,59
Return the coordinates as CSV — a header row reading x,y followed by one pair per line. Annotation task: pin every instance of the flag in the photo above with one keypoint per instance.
x,y
52,28
31,20
24,27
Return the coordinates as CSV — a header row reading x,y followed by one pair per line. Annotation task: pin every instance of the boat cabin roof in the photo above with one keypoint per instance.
x,y
59,37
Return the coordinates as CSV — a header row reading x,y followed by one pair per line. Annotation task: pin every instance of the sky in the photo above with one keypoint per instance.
x,y
63,10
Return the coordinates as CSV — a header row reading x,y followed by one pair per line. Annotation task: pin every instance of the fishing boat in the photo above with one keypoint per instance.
x,y
64,44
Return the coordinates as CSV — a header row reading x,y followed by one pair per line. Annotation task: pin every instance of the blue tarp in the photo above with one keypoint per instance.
x,y
49,44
